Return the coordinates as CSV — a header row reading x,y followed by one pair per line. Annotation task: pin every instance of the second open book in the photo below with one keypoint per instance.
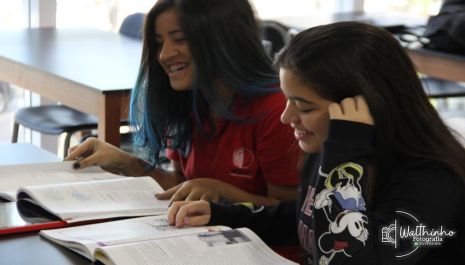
x,y
80,195
150,240
82,201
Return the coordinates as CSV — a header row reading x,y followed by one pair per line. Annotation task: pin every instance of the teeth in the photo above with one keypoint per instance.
x,y
177,67
300,133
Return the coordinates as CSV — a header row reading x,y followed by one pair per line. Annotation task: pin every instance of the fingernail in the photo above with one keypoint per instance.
x,y
186,220
76,165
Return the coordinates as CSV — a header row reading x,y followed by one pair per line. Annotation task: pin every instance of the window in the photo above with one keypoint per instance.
x,y
419,8
101,14
13,14
283,8
108,14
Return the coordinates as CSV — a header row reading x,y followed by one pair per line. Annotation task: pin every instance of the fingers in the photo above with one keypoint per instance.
x,y
351,109
87,161
196,220
205,197
70,150
361,104
186,213
335,111
348,105
167,194
84,149
209,197
195,196
188,192
182,193
363,108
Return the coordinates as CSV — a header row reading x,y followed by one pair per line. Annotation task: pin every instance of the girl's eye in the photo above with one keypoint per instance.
x,y
179,37
305,110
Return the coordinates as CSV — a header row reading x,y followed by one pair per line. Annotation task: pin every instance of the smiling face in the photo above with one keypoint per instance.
x,y
174,53
306,112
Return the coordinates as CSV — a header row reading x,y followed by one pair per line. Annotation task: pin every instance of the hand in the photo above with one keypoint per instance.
x,y
195,189
96,152
184,213
351,109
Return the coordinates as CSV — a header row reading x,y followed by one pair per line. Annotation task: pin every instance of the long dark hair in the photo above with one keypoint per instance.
x,y
346,59
223,36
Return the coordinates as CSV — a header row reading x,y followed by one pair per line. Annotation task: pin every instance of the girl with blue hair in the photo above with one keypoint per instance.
x,y
207,94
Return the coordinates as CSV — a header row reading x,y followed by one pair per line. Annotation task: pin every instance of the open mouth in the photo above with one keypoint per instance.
x,y
299,135
175,68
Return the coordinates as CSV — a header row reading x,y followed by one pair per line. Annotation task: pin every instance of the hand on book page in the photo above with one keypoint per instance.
x,y
189,213
87,238
229,247
92,200
13,177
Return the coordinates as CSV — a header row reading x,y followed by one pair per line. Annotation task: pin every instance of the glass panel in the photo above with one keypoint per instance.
x,y
101,14
419,8
109,14
279,8
13,14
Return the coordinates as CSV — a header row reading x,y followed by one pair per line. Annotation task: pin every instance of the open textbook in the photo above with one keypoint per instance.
x,y
13,177
94,200
150,240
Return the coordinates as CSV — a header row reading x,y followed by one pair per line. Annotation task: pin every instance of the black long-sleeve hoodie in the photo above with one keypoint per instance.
x,y
418,217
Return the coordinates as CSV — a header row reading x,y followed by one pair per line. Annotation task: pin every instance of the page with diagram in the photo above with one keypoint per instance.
x,y
81,201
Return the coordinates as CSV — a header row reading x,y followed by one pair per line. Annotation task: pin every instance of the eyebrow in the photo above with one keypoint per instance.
x,y
171,33
300,99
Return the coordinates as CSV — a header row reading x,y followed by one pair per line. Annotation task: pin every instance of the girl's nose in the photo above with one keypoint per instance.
x,y
167,51
288,116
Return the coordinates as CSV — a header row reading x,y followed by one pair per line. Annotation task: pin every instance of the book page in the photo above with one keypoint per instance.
x,y
80,201
13,177
230,247
85,239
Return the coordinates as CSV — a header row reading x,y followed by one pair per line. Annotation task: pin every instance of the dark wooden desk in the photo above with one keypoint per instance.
x,y
87,69
439,64
29,248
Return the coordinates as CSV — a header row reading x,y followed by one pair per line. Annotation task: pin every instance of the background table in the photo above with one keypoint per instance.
x,y
440,65
12,154
87,69
29,248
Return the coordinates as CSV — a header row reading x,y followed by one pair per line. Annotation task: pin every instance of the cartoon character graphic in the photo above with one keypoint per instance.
x,y
342,203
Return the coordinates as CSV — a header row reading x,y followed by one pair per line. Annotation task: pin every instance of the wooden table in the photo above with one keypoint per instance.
x,y
439,64
87,69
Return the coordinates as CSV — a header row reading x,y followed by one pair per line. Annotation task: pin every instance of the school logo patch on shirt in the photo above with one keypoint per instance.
x,y
243,158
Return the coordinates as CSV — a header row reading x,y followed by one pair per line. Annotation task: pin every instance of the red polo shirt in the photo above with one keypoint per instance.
x,y
247,155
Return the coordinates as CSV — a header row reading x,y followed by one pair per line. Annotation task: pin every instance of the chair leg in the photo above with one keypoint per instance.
x,y
14,135
66,144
